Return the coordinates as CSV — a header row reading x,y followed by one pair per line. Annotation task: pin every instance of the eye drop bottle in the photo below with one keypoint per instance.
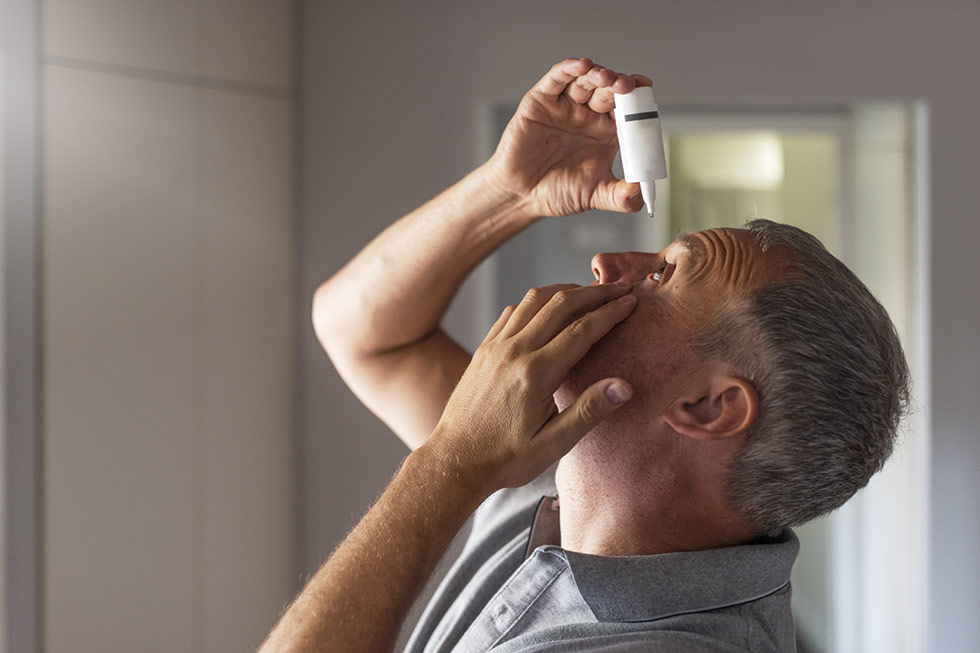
x,y
641,143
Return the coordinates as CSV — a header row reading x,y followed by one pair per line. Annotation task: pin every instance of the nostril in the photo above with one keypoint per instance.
x,y
597,265
603,268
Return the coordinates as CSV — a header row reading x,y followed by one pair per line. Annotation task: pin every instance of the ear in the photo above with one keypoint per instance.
x,y
725,406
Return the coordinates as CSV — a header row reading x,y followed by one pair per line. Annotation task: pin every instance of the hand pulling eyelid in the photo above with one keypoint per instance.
x,y
641,142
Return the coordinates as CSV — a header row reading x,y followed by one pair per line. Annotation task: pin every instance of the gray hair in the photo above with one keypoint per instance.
x,y
831,376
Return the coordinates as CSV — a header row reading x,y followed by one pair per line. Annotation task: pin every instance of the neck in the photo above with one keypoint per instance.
x,y
628,509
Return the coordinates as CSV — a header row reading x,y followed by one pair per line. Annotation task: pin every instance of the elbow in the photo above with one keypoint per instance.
x,y
324,319
334,319
339,325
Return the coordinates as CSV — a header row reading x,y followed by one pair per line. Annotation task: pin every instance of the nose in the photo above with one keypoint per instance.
x,y
611,267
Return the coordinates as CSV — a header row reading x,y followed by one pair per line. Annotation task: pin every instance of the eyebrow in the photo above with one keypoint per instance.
x,y
694,246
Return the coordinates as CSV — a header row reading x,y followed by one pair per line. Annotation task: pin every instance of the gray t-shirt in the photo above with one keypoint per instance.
x,y
506,595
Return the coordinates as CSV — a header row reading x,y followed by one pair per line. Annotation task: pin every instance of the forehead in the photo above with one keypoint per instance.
x,y
729,256
702,242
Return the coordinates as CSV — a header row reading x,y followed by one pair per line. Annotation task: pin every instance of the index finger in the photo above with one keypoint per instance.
x,y
602,99
564,306
560,75
575,340
531,305
642,80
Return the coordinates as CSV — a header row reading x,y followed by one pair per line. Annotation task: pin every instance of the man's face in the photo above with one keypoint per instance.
x,y
678,289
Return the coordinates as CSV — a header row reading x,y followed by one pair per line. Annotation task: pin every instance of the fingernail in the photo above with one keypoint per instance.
x,y
628,299
617,393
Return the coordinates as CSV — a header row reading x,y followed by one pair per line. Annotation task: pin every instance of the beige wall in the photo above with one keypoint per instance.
x,y
391,115
168,323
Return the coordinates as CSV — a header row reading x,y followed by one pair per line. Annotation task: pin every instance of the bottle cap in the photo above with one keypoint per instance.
x,y
638,100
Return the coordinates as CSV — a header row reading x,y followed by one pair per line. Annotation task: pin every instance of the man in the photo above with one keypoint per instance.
x,y
700,400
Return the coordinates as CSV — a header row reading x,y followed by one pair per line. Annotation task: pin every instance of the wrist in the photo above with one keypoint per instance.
x,y
449,472
499,192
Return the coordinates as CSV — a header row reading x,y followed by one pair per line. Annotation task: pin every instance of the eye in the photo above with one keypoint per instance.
x,y
659,274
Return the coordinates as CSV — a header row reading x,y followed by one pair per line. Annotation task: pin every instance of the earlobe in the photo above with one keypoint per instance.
x,y
727,407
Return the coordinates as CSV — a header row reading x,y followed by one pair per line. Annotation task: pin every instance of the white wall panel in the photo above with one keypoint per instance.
x,y
169,324
122,408
163,36
249,40
224,40
248,367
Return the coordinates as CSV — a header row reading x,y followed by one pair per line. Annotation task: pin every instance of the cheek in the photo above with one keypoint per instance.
x,y
645,352
605,359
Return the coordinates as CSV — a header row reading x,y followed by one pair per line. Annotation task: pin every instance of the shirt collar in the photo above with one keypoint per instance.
x,y
645,588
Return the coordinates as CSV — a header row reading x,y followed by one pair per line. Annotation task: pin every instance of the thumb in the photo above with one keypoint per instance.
x,y
599,401
617,195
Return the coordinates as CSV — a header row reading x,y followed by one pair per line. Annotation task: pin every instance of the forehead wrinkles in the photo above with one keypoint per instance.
x,y
719,253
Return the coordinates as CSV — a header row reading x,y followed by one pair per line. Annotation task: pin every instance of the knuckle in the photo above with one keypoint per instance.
x,y
510,349
523,379
589,411
561,297
530,369
580,328
532,295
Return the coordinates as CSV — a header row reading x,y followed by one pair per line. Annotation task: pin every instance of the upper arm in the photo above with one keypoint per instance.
x,y
407,387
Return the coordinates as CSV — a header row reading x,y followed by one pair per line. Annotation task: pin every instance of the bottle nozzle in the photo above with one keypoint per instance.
x,y
649,191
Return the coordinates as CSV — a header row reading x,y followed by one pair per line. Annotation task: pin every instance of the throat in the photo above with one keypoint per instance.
x,y
667,515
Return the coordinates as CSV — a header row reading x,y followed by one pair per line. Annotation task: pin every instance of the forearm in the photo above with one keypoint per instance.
x,y
397,289
360,597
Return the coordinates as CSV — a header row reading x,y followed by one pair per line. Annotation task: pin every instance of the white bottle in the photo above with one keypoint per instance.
x,y
640,141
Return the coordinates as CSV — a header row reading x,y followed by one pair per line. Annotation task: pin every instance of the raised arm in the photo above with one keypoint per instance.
x,y
378,318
